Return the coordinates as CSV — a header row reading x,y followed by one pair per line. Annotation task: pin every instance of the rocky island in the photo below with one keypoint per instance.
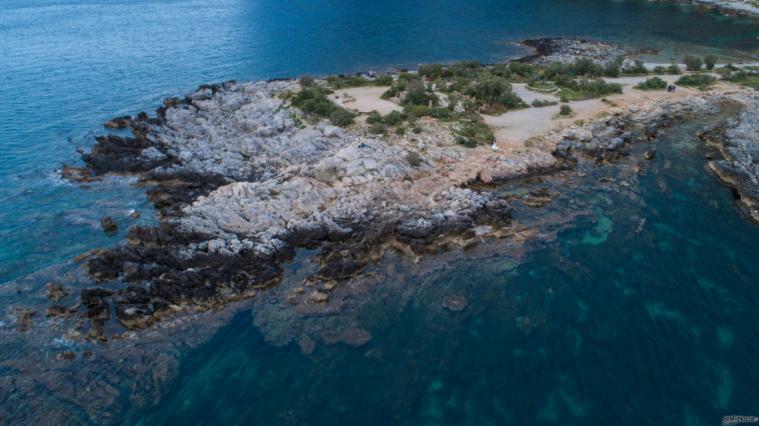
x,y
245,174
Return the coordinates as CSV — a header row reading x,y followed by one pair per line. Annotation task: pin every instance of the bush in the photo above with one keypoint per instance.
x,y
522,69
653,83
400,131
538,103
393,118
373,118
710,61
474,133
377,128
342,82
660,70
306,80
565,111
418,94
313,101
612,69
744,78
699,81
495,90
433,71
587,89
417,130
693,63
673,69
636,68
383,80
341,117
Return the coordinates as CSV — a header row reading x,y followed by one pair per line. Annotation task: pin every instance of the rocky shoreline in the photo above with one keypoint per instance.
x,y
565,50
737,162
242,180
747,8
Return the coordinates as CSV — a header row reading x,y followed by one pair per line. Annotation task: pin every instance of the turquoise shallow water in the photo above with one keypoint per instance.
x,y
607,325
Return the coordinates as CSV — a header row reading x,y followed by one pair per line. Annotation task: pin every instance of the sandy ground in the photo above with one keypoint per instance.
x,y
514,128
364,99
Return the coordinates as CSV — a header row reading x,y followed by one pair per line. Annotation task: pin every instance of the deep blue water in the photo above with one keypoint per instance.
x,y
605,326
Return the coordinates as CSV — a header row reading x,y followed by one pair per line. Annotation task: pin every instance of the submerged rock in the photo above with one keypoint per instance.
x,y
109,225
118,122
455,302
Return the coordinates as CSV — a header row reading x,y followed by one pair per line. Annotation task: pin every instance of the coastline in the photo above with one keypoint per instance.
x,y
434,207
243,179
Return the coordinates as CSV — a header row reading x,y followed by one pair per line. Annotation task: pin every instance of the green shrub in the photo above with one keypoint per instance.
x,y
693,63
710,61
313,101
587,89
538,103
653,83
434,71
343,82
522,69
660,70
673,69
636,68
400,131
417,130
586,68
744,78
612,69
377,128
565,111
494,91
383,80
474,133
305,80
373,117
699,81
341,117
419,110
419,94
393,118
440,113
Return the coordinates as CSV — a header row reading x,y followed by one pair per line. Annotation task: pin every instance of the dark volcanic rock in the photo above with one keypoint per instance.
x,y
118,122
109,225
567,50
55,291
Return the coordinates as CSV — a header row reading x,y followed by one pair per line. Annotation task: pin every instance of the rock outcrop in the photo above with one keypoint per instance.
x,y
241,183
737,141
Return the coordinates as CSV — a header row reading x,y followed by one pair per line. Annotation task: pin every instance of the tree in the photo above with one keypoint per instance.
x,y
693,63
710,61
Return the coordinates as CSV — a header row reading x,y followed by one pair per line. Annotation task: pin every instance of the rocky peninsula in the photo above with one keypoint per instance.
x,y
246,174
